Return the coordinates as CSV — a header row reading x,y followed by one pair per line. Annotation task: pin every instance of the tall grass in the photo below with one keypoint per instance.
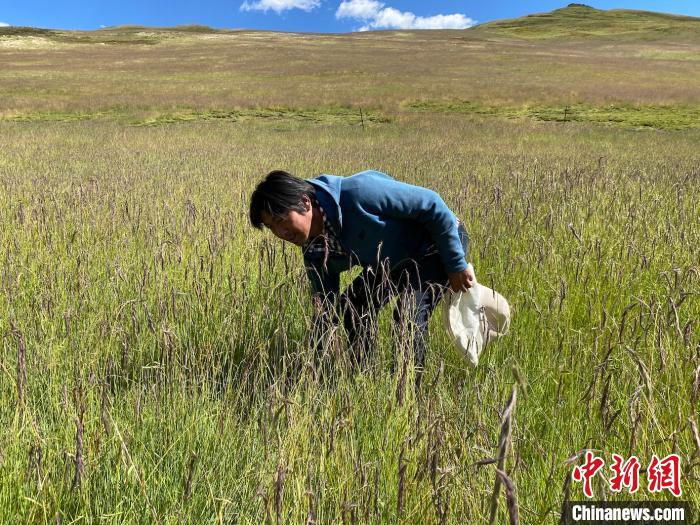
x,y
155,365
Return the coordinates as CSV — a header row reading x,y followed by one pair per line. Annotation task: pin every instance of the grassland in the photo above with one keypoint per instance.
x,y
145,70
154,365
582,21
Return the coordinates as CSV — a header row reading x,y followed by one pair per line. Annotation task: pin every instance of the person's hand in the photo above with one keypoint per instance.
x,y
461,281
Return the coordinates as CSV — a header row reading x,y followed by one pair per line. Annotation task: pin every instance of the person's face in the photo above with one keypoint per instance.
x,y
293,226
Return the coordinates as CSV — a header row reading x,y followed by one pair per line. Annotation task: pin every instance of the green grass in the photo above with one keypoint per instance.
x,y
6,31
622,115
582,21
141,293
331,115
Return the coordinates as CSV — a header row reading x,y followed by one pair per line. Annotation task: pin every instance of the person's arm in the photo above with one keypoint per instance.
x,y
462,281
391,198
325,287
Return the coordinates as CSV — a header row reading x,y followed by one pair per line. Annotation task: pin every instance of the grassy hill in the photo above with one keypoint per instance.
x,y
532,67
579,20
636,69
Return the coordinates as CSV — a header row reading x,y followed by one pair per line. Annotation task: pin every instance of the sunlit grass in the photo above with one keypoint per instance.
x,y
675,117
144,300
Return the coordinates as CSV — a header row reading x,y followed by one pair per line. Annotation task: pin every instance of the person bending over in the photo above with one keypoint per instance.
x,y
407,241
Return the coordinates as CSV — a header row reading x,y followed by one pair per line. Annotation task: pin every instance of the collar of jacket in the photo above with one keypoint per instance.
x,y
328,195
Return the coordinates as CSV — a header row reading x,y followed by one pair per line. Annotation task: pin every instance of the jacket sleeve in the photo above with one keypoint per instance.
x,y
325,287
391,198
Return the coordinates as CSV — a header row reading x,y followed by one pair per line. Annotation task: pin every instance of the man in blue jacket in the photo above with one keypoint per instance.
x,y
406,239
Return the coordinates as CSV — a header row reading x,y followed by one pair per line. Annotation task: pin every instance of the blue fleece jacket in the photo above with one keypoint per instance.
x,y
383,220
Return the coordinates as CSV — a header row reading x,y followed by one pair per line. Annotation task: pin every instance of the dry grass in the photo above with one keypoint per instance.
x,y
378,70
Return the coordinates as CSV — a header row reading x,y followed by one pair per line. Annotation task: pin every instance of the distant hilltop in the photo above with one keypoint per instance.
x,y
190,28
126,28
581,20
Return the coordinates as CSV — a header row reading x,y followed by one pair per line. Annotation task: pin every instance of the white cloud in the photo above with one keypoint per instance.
x,y
4,24
280,5
377,16
360,9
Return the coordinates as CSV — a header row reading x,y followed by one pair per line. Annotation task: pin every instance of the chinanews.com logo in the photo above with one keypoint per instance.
x,y
661,476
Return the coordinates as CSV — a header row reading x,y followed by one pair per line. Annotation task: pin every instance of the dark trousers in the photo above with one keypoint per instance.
x,y
418,286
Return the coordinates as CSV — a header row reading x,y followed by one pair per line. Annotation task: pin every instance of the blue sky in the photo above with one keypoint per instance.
x,y
297,15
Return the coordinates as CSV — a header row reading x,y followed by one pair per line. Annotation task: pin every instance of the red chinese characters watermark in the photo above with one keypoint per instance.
x,y
586,471
662,474
665,474
626,474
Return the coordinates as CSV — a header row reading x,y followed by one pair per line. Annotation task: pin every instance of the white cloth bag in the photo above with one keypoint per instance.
x,y
475,317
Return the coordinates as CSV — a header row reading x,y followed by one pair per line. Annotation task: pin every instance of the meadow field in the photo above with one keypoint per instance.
x,y
155,365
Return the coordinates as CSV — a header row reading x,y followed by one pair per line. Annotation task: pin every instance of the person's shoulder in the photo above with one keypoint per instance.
x,y
325,179
329,183
363,178
369,174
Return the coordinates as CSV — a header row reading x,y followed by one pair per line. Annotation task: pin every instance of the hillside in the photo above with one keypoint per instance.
x,y
636,68
579,20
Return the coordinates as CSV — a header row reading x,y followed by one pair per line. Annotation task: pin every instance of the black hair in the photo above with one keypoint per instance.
x,y
277,194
